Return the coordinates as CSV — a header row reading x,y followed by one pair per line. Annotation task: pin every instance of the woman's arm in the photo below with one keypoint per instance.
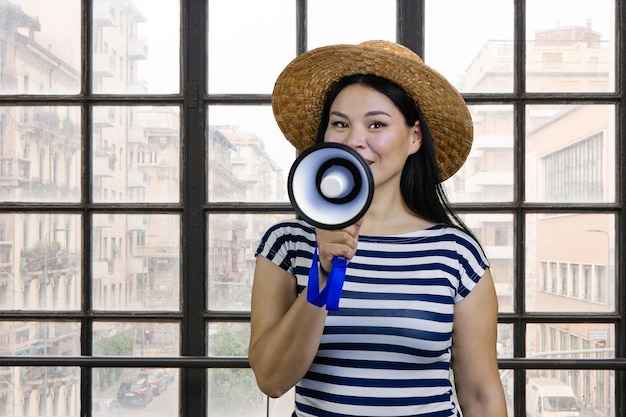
x,y
474,357
285,329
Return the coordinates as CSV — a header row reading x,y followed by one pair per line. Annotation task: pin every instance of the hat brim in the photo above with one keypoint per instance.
x,y
301,89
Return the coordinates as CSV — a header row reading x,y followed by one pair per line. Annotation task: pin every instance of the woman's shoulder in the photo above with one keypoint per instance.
x,y
291,227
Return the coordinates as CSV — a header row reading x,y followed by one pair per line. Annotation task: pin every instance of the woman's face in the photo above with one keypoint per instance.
x,y
369,122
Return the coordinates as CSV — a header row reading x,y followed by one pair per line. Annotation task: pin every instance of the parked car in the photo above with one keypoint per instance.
x,y
137,393
169,374
157,380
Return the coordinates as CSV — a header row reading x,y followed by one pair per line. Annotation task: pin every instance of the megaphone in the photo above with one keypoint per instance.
x,y
330,186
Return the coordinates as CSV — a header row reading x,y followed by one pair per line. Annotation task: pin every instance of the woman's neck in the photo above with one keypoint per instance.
x,y
389,215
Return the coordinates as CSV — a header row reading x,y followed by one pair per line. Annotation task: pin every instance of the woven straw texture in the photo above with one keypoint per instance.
x,y
300,91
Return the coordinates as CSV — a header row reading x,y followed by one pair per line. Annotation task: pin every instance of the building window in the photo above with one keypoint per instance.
x,y
575,173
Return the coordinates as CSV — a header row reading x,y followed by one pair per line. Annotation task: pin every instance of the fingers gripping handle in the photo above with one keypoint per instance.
x,y
332,291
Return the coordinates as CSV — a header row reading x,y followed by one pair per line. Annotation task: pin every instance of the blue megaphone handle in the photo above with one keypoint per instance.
x,y
334,284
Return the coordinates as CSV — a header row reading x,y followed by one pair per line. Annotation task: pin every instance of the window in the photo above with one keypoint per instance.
x,y
131,221
575,172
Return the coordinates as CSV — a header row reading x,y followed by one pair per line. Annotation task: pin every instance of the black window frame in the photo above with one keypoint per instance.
x,y
194,208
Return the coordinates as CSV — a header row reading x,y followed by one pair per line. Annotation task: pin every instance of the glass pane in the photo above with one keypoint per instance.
x,y
121,391
136,262
246,53
570,340
349,21
570,262
228,339
233,392
39,390
508,384
136,47
40,261
505,340
283,405
487,174
577,392
249,158
570,45
40,154
40,47
495,234
131,392
472,47
570,153
233,240
136,339
136,154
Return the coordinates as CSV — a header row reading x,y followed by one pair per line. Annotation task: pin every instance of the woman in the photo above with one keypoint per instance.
x,y
418,297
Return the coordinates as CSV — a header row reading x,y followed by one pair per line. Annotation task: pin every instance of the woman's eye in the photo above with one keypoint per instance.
x,y
376,125
339,124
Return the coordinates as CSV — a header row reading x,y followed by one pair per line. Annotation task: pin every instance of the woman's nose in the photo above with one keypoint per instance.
x,y
355,138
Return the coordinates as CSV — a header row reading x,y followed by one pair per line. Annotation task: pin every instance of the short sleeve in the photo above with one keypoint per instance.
x,y
288,245
473,264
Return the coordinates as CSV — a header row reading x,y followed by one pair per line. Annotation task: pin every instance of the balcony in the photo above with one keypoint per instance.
x,y
102,269
138,49
9,175
103,14
136,222
137,179
102,167
103,64
137,135
103,118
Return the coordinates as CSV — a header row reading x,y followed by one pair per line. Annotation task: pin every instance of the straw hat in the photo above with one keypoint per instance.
x,y
301,89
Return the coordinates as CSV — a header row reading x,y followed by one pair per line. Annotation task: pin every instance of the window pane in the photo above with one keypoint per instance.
x,y
495,234
477,55
135,339
580,391
349,21
234,392
136,262
233,240
249,158
570,262
136,154
505,340
228,339
283,405
40,390
570,153
246,53
135,392
136,47
40,154
508,384
40,47
570,45
570,340
487,174
41,261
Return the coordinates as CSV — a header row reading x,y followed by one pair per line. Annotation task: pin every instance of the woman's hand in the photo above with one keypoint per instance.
x,y
340,242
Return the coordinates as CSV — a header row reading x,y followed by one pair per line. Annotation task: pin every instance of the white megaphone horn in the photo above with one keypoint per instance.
x,y
330,185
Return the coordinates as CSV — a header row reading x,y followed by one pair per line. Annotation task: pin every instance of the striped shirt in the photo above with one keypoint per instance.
x,y
386,350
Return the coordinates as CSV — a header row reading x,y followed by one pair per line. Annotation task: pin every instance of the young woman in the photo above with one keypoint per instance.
x,y
418,298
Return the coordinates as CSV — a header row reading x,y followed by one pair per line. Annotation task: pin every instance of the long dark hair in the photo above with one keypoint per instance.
x,y
420,183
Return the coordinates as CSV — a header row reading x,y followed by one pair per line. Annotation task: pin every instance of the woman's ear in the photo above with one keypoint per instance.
x,y
415,138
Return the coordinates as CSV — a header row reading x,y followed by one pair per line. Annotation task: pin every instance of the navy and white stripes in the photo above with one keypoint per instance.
x,y
386,351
